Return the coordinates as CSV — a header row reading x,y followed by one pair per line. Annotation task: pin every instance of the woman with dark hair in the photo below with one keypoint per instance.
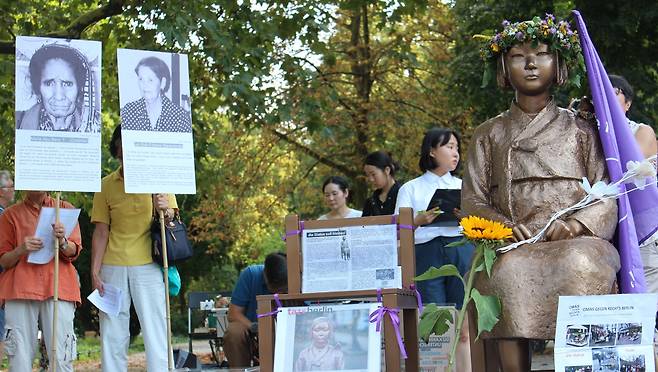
x,y
380,172
644,134
154,111
336,192
66,96
121,257
439,157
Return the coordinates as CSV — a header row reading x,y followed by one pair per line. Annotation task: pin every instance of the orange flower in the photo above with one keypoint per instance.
x,y
480,228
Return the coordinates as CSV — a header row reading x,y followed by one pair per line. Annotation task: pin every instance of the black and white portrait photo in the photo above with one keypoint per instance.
x,y
154,91
58,84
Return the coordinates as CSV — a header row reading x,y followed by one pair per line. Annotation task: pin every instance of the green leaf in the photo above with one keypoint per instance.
x,y
489,259
488,310
434,321
457,243
433,273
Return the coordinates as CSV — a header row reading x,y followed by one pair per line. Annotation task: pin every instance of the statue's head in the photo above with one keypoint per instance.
x,y
534,54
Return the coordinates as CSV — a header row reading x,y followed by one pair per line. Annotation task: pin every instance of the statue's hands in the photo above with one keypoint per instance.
x,y
520,233
560,230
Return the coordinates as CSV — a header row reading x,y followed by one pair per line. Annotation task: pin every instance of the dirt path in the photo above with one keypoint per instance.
x,y
137,361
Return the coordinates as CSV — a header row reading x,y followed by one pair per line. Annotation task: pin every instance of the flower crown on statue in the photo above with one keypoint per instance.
x,y
556,34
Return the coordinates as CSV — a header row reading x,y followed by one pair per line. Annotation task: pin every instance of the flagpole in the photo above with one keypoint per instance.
x,y
53,338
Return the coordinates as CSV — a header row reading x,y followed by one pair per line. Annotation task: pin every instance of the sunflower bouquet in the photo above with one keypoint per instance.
x,y
487,236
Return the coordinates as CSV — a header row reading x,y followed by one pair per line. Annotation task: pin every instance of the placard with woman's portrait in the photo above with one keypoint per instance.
x,y
58,121
154,95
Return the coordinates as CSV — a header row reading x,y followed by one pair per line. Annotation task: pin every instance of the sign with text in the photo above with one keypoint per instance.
x,y
156,122
350,258
58,123
605,333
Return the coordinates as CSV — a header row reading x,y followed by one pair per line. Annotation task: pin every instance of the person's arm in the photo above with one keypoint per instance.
x,y
68,248
646,139
98,246
11,258
236,314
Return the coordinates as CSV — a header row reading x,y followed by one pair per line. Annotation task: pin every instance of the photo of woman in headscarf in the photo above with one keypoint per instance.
x,y
154,111
65,91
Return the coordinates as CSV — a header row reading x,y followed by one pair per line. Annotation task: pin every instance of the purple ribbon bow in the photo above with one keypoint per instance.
x,y
276,308
378,316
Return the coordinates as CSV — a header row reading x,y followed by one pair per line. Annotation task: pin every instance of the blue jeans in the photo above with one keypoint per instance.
x,y
447,289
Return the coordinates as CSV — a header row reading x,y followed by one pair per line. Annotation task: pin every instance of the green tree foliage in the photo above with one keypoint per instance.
x,y
623,33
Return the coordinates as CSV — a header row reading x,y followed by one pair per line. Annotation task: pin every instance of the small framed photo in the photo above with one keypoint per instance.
x,y
332,337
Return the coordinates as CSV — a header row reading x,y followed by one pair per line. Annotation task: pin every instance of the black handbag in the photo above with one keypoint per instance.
x,y
179,248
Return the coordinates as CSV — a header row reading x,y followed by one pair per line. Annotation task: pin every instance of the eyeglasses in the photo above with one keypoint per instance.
x,y
619,91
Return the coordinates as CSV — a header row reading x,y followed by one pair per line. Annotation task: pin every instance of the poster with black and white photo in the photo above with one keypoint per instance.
x,y
156,122
327,338
58,121
605,333
350,258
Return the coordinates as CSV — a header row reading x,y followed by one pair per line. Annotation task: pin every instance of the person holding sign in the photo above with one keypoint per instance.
x,y
336,192
154,111
27,289
64,86
121,257
434,196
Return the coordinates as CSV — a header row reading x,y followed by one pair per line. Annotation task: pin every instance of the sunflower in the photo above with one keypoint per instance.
x,y
480,228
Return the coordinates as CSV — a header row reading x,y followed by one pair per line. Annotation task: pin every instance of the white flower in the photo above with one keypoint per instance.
x,y
600,189
639,171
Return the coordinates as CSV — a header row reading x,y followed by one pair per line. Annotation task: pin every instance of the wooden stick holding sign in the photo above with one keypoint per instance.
x,y
53,339
165,265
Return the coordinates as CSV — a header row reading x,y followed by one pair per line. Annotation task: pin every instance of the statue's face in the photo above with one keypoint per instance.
x,y
530,71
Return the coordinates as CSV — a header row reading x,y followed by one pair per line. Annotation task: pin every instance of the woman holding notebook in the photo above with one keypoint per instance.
x,y
434,196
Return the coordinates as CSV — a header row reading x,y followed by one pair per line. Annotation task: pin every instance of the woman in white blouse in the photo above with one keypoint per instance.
x,y
439,156
336,192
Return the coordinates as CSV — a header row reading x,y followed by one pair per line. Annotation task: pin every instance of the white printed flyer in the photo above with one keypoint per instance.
x,y
605,333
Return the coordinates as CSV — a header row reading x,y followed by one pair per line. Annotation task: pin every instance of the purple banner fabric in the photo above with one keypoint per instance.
x,y
638,210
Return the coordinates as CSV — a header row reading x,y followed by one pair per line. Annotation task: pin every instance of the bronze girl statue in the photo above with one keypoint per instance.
x,y
523,166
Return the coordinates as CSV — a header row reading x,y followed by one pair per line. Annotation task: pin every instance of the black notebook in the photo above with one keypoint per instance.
x,y
447,201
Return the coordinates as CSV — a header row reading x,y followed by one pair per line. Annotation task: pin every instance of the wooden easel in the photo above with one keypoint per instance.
x,y
404,299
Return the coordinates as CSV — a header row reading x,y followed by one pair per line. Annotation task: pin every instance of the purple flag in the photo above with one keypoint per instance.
x,y
638,210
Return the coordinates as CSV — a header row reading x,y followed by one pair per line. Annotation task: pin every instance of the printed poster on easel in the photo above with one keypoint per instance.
x,y
350,258
331,337
156,122
58,122
605,333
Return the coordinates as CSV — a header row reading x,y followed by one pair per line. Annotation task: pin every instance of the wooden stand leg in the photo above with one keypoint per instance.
x,y
411,335
266,337
392,350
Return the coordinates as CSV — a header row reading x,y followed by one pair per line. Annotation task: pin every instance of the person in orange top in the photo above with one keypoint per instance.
x,y
27,289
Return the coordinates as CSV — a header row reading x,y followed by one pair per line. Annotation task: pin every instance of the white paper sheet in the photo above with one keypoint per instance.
x,y
350,258
110,302
605,333
58,160
68,217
